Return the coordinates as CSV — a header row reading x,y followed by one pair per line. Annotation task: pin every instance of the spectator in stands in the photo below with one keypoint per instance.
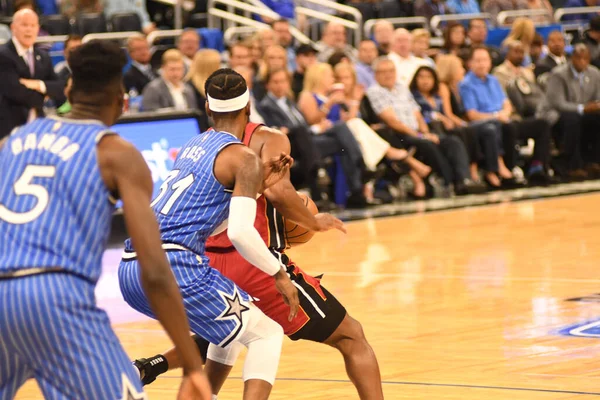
x,y
334,39
62,68
522,30
454,38
591,38
169,91
112,7
405,62
580,3
463,6
477,34
420,45
71,8
429,8
275,58
285,9
256,50
383,33
267,37
285,39
541,5
536,51
396,107
480,137
206,61
367,53
573,90
188,44
484,99
556,54
337,58
512,67
306,56
27,75
141,72
495,6
239,56
248,74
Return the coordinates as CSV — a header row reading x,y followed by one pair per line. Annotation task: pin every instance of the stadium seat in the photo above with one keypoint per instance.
x,y
5,34
198,20
90,23
125,22
390,9
56,24
5,20
366,9
212,39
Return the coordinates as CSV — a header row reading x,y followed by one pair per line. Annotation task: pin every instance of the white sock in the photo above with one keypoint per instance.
x,y
214,397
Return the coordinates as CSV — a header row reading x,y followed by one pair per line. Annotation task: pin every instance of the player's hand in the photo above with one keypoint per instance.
x,y
284,285
326,222
195,386
276,168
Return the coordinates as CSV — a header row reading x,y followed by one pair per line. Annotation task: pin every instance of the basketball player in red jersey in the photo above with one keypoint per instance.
x,y
321,317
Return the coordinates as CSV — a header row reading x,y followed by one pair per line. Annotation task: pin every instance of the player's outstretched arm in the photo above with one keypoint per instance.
x,y
283,195
239,167
126,173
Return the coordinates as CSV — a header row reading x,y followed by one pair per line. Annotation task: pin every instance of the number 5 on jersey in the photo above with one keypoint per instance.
x,y
24,186
175,190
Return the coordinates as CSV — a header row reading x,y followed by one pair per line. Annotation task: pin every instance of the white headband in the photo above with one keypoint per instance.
x,y
235,104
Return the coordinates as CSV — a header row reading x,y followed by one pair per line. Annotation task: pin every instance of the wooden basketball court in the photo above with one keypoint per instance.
x,y
462,304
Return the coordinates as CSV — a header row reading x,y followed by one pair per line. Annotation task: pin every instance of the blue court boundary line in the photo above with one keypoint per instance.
x,y
451,385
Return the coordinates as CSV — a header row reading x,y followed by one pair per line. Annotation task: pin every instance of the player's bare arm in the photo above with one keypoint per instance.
x,y
237,166
283,195
126,173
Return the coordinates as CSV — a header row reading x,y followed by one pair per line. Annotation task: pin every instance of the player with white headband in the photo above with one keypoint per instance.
x,y
216,177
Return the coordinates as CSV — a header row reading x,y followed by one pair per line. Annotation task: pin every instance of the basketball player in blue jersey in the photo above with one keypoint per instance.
x,y
57,179
216,178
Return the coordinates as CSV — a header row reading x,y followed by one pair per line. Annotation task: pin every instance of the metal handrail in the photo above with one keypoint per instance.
x,y
354,26
561,12
436,20
237,30
51,39
109,36
226,15
153,36
340,8
231,4
504,15
399,21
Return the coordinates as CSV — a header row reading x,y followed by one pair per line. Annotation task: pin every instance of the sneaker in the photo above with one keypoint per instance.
x,y
146,370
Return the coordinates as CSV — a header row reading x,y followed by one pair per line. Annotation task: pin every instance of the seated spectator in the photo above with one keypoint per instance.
x,y
169,90
420,45
536,51
573,91
239,56
257,51
275,58
285,39
112,7
188,44
71,8
477,34
383,33
62,68
396,107
306,56
480,138
248,74
580,3
429,8
556,54
494,7
512,67
541,5
405,62
367,53
206,61
337,58
334,39
591,38
454,38
484,99
141,73
267,37
523,31
463,6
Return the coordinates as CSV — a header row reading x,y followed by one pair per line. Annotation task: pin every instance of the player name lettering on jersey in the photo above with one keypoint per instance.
x,y
193,153
58,145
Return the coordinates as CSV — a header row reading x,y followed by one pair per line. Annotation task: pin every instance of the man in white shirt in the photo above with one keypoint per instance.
x,y
169,91
405,62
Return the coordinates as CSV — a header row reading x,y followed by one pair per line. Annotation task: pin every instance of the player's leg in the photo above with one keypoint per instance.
x,y
13,371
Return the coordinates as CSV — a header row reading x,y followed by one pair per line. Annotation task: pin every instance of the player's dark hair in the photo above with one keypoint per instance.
x,y
97,72
225,84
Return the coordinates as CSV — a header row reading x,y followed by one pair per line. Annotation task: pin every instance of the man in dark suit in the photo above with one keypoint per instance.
x,y
141,73
27,75
556,55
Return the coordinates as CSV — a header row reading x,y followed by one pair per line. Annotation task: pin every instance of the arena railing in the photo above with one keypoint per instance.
x,y
561,12
355,26
397,22
504,15
51,39
154,36
234,34
437,20
109,36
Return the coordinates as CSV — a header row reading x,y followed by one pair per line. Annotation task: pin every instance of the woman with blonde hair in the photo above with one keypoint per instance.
x,y
275,57
523,30
205,62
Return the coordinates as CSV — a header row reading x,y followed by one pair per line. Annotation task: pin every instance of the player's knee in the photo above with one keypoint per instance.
x,y
349,336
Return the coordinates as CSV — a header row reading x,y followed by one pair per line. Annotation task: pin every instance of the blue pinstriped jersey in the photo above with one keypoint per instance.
x,y
192,203
54,206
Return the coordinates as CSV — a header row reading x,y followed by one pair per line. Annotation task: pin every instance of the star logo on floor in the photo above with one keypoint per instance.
x,y
130,392
235,306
